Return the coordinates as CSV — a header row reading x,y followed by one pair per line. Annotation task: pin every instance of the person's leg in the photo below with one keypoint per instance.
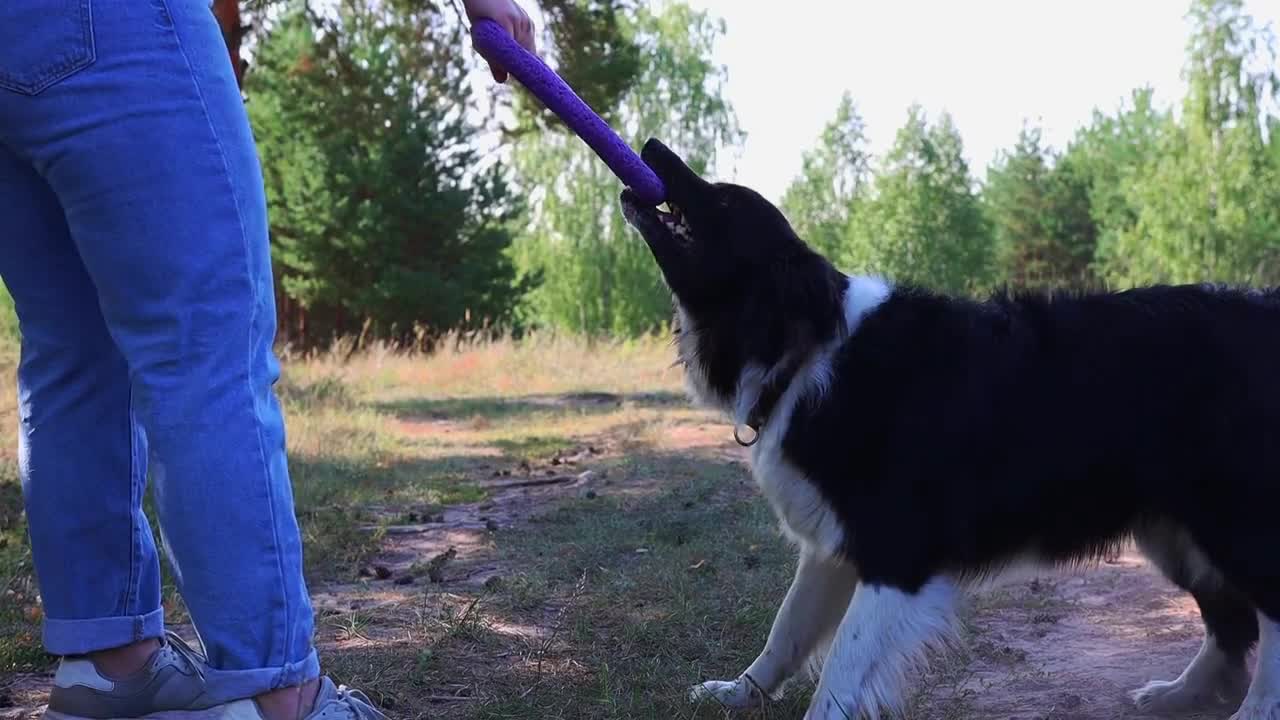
x,y
82,464
149,152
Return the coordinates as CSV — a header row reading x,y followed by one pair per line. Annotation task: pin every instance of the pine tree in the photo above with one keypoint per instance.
x,y
593,274
924,223
382,213
834,176
1107,157
1039,213
1209,209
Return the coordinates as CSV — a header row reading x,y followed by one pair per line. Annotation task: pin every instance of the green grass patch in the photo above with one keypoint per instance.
x,y
20,648
638,596
8,318
645,592
529,448
657,595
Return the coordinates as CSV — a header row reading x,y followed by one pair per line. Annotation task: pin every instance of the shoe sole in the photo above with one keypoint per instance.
x,y
238,710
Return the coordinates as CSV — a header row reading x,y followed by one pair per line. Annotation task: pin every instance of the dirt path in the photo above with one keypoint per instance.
x,y
1070,646
1052,646
1063,646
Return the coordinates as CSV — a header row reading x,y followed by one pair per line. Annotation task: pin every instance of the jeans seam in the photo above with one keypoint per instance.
x,y
135,501
253,320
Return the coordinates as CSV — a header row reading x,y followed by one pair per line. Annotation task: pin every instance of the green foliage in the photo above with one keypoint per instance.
x,y
923,223
1186,197
589,46
1208,204
834,176
8,319
594,275
381,208
384,210
1039,213
1111,154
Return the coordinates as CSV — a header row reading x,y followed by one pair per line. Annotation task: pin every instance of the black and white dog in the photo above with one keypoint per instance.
x,y
914,444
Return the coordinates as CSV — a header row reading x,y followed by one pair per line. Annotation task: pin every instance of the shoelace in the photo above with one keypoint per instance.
x,y
190,657
359,703
355,700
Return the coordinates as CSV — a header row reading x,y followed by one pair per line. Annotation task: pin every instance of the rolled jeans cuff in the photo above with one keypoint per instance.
x,y
78,637
231,685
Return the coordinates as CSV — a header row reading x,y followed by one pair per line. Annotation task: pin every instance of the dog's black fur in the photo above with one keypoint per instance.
x,y
956,436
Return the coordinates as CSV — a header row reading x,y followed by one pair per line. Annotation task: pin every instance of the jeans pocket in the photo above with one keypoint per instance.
x,y
44,43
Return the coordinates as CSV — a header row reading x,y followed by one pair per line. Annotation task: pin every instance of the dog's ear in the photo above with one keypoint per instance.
x,y
794,309
810,291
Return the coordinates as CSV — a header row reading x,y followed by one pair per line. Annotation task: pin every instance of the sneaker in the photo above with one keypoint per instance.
x,y
171,681
171,687
342,703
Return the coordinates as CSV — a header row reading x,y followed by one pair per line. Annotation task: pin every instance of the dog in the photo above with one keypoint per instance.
x,y
914,445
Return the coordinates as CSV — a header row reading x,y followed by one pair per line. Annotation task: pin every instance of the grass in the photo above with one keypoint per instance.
x,y
8,319
640,625
607,605
19,609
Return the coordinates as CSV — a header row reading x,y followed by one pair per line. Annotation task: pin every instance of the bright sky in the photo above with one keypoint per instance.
x,y
991,64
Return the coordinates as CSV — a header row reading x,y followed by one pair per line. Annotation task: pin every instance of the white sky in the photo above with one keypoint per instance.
x,y
990,63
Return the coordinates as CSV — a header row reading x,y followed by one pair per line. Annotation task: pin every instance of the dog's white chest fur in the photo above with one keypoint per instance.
x,y
804,513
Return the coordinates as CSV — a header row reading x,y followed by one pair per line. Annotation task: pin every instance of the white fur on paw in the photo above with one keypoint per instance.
x,y
735,694
1163,696
1268,708
825,706
1227,686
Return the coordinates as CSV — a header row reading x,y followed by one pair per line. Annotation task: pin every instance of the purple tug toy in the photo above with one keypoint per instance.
x,y
491,39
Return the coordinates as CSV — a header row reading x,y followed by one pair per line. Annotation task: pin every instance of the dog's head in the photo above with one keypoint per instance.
x,y
749,293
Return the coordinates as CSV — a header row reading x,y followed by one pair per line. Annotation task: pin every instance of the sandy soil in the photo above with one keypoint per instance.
x,y
1071,645
1066,646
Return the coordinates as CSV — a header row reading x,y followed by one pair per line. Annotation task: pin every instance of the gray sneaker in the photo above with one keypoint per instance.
x,y
171,683
171,687
343,703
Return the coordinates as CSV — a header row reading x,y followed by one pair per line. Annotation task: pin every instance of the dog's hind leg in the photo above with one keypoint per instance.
x,y
1217,674
809,614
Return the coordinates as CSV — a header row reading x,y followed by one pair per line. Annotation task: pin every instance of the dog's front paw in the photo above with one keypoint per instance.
x,y
737,694
1163,696
1225,687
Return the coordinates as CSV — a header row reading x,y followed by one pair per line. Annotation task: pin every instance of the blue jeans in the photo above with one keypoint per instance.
x,y
133,238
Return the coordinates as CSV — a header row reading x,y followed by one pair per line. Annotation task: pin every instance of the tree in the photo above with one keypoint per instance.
x,y
1105,159
582,39
923,223
1070,222
834,175
593,274
382,214
1209,206
587,44
1039,213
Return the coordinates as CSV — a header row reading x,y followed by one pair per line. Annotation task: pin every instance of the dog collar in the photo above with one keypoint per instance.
x,y
769,396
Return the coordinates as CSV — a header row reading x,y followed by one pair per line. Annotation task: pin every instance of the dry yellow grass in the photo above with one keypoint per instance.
x,y
539,364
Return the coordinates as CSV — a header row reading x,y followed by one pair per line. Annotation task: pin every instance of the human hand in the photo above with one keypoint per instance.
x,y
511,17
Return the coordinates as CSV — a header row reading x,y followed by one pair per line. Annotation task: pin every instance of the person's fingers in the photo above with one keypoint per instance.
x,y
500,73
524,32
